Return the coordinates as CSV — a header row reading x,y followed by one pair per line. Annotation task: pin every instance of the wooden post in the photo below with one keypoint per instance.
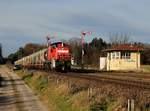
x,y
57,81
132,105
90,91
128,104
68,84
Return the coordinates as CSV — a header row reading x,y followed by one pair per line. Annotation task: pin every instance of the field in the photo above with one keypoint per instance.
x,y
63,93
146,68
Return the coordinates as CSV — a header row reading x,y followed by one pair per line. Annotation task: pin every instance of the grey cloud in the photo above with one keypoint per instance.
x,y
31,20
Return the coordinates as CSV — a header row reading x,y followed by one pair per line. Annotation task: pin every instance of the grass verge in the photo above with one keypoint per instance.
x,y
57,96
69,94
145,68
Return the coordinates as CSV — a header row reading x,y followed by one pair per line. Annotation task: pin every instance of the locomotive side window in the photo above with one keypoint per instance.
x,y
54,46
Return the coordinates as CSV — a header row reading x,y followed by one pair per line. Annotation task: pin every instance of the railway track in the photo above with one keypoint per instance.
x,y
132,75
135,82
138,75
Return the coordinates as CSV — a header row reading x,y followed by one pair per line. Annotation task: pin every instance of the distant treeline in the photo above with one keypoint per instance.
x,y
25,51
92,50
2,59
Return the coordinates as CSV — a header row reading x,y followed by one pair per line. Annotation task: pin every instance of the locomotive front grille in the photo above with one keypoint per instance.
x,y
64,57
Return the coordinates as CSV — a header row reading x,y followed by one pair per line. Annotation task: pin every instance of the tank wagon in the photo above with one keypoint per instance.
x,y
56,56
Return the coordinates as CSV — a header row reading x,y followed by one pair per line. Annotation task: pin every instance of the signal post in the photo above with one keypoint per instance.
x,y
83,34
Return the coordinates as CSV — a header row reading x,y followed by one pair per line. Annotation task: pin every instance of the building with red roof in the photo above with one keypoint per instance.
x,y
123,57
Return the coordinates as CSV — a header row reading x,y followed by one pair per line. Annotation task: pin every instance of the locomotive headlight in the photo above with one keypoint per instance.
x,y
63,51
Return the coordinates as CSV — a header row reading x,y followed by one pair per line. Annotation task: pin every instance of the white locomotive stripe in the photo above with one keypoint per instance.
x,y
63,51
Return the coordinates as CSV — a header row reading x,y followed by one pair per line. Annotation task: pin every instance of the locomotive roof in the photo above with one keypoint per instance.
x,y
55,43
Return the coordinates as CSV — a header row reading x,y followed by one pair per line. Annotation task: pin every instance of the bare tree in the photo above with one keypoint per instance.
x,y
75,41
121,38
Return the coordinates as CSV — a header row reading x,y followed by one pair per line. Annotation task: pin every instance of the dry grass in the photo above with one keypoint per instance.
x,y
63,93
145,68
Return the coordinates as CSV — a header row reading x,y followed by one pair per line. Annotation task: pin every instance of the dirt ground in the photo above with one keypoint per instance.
x,y
15,95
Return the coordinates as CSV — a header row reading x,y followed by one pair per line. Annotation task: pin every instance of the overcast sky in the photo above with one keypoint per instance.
x,y
23,21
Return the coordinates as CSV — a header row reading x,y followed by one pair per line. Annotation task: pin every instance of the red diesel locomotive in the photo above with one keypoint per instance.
x,y
58,56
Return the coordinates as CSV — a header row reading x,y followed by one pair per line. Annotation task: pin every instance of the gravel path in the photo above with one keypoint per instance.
x,y
15,95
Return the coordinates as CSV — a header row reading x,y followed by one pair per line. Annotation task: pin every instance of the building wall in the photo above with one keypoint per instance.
x,y
123,64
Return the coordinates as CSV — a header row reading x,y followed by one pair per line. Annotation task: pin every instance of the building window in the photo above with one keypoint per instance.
x,y
117,55
113,55
109,56
125,55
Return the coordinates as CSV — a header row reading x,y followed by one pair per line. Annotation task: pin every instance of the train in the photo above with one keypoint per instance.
x,y
56,56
